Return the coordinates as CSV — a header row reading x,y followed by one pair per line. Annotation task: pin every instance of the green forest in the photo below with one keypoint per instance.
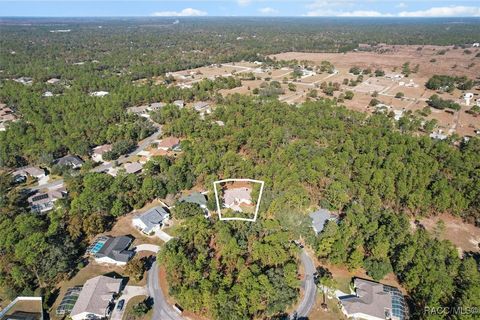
x,y
232,271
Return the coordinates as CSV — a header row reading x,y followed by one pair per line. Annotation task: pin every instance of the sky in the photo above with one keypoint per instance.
x,y
312,8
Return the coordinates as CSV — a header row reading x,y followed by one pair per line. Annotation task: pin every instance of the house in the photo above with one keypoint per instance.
x,y
23,308
45,201
468,96
96,298
156,106
141,111
202,107
373,301
98,93
53,81
168,143
151,221
394,76
97,152
133,167
112,250
235,197
439,135
6,115
320,218
179,103
24,80
397,114
34,172
195,197
74,162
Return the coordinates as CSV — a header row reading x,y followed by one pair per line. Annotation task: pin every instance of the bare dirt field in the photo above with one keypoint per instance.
x,y
431,60
466,237
394,56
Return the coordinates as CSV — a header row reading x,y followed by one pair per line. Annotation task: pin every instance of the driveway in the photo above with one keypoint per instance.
x,y
161,309
163,235
310,289
127,293
147,247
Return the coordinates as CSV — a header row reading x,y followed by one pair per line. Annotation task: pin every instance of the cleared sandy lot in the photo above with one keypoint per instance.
x,y
429,59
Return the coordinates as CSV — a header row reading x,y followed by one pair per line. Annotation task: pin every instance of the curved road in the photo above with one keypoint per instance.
x,y
161,309
310,289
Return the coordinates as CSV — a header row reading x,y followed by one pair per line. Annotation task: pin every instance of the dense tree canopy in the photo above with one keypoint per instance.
x,y
232,270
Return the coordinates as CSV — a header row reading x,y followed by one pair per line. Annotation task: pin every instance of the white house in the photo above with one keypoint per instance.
x,y
468,96
151,221
96,298
98,93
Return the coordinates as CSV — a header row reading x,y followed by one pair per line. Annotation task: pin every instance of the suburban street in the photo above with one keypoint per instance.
x,y
142,145
310,289
161,309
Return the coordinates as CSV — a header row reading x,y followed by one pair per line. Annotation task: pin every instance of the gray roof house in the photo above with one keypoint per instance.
x,y
202,106
43,202
73,162
156,106
320,218
195,197
151,221
179,103
30,171
373,300
115,251
96,297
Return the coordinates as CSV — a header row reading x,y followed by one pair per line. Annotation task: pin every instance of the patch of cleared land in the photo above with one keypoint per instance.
x,y
431,60
466,237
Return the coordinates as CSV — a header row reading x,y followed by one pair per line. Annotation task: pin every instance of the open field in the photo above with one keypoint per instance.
x,y
465,236
430,60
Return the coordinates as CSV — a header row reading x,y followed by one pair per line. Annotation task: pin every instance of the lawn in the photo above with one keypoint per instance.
x,y
128,309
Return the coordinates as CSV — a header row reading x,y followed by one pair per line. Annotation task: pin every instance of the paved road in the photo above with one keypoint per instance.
x,y
310,289
161,309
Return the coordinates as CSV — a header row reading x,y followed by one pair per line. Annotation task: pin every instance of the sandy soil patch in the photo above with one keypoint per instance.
x,y
463,235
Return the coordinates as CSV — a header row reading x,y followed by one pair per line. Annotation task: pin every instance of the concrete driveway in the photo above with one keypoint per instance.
x,y
127,293
147,247
163,235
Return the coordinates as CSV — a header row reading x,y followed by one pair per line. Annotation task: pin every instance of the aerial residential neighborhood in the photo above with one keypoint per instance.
x,y
243,160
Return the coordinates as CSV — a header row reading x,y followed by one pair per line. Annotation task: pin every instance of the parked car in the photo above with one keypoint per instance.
x,y
120,305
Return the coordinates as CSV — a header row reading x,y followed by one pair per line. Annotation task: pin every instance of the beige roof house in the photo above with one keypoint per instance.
x,y
374,301
233,198
95,298
168,143
97,152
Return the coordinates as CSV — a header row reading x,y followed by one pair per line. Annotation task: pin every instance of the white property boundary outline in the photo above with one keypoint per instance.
x,y
262,183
